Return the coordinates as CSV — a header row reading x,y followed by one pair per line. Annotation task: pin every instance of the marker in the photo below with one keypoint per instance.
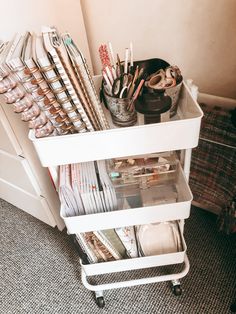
x,y
126,60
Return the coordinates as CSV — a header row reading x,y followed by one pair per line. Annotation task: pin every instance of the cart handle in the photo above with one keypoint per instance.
x,y
135,282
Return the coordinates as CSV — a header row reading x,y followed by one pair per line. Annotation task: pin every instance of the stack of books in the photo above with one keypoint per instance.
x,y
106,245
129,242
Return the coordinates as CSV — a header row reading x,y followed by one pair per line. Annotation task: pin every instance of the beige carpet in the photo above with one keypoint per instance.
x,y
40,272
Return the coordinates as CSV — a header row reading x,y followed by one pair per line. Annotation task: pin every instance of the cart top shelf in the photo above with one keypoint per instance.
x,y
181,132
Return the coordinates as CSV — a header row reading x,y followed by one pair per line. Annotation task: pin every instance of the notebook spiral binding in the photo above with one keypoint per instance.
x,y
32,112
49,104
83,74
22,102
18,90
59,90
64,79
81,93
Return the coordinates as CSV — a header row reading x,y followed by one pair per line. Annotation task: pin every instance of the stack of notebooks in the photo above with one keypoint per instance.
x,y
86,188
47,80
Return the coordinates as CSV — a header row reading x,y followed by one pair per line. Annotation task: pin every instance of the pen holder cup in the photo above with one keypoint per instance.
x,y
174,93
122,110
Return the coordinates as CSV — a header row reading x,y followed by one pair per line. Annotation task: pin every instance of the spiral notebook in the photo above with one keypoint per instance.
x,y
47,34
57,86
58,44
59,119
86,81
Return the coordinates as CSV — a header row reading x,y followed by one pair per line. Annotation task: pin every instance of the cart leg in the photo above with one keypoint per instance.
x,y
99,298
175,287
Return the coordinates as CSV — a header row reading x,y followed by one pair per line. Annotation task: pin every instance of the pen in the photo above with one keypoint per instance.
x,y
132,87
119,67
137,91
112,55
109,74
107,81
131,68
126,60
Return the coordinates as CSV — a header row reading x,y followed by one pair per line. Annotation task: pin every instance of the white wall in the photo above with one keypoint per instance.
x,y
197,35
23,15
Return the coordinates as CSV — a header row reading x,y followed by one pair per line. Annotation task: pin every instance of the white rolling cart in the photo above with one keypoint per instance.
x,y
180,133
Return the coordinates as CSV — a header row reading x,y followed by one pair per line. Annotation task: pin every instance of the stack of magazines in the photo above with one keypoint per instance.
x,y
47,81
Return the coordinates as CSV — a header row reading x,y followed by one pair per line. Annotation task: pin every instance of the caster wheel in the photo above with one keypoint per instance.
x,y
177,290
100,302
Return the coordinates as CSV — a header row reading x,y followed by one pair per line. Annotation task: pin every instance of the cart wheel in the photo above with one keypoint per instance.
x,y
177,290
100,302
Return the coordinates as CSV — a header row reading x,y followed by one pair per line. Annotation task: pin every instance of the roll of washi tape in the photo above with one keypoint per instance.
x,y
157,80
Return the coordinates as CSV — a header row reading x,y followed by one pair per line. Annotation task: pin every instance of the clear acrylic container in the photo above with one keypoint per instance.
x,y
144,181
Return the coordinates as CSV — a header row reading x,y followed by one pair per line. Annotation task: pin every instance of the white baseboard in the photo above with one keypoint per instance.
x,y
205,207
212,100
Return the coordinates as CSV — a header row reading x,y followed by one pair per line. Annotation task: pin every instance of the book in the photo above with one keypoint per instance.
x,y
88,248
128,238
112,242
95,250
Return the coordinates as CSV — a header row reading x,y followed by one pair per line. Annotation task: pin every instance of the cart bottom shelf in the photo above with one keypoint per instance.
x,y
168,276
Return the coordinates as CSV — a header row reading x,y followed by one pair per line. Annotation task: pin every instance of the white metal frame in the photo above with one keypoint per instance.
x,y
174,278
135,282
181,134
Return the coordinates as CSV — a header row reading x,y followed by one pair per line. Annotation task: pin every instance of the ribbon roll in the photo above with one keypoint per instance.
x,y
37,81
54,110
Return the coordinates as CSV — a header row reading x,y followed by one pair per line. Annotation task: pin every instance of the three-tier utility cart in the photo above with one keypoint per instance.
x,y
181,134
